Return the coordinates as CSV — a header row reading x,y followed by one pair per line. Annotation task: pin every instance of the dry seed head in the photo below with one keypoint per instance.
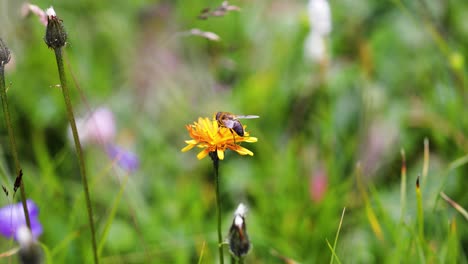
x,y
4,53
56,36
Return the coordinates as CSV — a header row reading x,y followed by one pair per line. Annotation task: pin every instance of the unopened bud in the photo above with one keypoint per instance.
x,y
30,251
239,244
4,53
55,36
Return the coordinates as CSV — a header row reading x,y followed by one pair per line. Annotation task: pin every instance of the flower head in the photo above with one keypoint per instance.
x,y
127,160
12,218
30,251
315,47
4,53
56,36
28,8
98,128
320,17
208,135
239,244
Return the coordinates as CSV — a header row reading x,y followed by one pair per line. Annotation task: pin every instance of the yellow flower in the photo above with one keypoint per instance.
x,y
208,135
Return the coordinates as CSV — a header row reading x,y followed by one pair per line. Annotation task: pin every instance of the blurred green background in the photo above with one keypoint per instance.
x,y
395,75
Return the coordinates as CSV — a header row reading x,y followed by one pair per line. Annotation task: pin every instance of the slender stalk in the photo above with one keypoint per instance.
x,y
426,161
79,152
214,157
420,213
403,185
11,135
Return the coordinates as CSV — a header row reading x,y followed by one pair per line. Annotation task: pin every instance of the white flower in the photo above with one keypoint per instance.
x,y
315,47
51,12
24,236
30,251
320,17
241,210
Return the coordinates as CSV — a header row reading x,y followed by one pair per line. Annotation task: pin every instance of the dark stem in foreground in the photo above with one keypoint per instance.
x,y
214,157
11,135
79,152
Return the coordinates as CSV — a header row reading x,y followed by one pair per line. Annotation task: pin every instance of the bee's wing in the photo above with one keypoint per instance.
x,y
229,123
247,116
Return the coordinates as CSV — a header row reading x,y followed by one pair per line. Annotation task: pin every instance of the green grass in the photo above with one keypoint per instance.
x,y
396,80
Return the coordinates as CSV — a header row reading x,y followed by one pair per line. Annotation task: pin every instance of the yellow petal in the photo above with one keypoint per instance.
x,y
220,154
243,151
203,154
251,139
187,148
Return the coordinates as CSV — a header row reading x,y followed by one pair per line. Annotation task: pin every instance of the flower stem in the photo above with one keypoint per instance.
x,y
11,135
79,152
214,157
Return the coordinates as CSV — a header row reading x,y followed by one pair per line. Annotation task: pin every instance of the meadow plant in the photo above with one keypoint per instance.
x,y
30,251
12,218
126,159
56,38
238,239
99,129
215,139
396,76
320,27
4,59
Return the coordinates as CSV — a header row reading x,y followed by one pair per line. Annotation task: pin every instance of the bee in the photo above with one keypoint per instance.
x,y
232,122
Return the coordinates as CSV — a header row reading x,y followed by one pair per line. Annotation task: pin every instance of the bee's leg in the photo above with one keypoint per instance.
x,y
233,136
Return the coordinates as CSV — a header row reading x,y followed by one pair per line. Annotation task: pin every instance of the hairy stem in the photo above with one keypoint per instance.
x,y
214,157
79,152
11,135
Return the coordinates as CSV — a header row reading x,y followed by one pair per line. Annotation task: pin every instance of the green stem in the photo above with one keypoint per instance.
x,y
403,186
11,135
420,212
79,152
214,157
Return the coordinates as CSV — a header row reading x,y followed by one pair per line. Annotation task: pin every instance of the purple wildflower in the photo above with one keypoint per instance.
x,y
98,128
12,218
126,159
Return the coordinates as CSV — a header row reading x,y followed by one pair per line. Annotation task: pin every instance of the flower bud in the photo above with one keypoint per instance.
x,y
55,36
239,244
4,53
30,251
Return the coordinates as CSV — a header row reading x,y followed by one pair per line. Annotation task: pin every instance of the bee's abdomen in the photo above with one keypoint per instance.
x,y
237,127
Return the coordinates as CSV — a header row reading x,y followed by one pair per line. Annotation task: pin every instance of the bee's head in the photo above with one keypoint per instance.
x,y
218,115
